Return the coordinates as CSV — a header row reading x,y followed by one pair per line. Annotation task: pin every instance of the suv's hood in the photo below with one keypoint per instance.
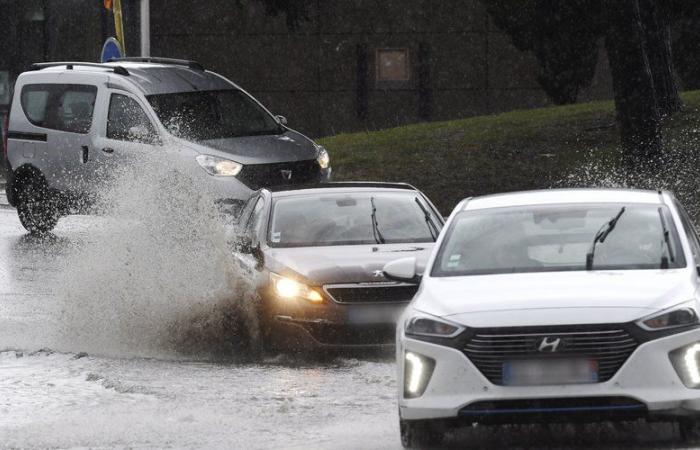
x,y
343,263
287,147
553,298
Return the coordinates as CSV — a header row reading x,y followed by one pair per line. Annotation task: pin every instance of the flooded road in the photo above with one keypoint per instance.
x,y
73,372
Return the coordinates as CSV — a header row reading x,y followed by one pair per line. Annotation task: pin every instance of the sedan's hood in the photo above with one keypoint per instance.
x,y
287,147
343,263
554,298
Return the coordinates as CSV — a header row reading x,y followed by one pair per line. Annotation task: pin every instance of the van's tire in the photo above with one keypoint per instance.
x,y
36,207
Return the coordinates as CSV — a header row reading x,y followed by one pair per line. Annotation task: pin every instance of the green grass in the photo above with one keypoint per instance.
x,y
528,149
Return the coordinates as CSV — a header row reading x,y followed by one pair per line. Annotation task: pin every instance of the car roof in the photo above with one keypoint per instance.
x,y
563,196
352,186
152,78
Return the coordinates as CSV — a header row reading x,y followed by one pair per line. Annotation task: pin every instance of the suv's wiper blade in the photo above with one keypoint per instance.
x,y
375,226
667,241
428,220
600,236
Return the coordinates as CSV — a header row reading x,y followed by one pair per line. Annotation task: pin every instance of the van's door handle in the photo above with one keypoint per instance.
x,y
108,150
86,154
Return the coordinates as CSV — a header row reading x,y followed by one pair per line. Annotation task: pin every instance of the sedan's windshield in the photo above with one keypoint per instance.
x,y
206,115
351,219
560,237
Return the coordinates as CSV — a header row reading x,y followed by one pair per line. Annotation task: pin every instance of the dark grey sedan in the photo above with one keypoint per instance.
x,y
316,254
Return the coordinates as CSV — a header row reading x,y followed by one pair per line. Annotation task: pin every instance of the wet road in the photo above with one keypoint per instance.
x,y
92,355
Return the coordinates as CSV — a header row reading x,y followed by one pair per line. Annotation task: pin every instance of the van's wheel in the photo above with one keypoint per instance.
x,y
36,207
420,434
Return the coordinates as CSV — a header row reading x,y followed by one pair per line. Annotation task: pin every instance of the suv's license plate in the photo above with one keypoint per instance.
x,y
549,372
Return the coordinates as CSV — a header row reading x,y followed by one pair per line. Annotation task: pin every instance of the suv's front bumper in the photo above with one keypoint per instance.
x,y
647,377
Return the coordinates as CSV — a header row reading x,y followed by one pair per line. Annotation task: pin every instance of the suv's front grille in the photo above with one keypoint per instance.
x,y
257,176
490,349
369,293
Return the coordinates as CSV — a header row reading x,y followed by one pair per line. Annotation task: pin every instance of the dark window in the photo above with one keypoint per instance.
x,y
127,121
392,64
64,107
206,115
690,232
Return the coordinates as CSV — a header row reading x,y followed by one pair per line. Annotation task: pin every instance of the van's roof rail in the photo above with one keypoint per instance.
x,y
69,65
149,59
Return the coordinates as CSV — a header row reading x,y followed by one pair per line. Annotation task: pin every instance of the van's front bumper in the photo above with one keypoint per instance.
x,y
647,384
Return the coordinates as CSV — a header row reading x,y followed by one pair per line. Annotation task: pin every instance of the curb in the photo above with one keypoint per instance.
x,y
3,197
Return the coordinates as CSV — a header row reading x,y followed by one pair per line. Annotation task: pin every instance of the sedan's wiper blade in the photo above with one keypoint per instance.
x,y
600,236
375,226
428,220
667,241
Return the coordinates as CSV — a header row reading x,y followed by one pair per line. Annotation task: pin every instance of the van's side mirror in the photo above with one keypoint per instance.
x,y
244,245
281,119
403,270
143,134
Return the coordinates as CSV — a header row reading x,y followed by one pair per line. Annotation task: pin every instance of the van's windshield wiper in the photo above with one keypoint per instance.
x,y
667,241
428,220
600,236
375,226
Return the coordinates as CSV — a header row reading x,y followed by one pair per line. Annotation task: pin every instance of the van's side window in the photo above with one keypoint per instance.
x,y
127,121
63,107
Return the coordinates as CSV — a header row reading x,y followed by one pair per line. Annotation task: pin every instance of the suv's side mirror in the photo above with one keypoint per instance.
x,y
281,119
403,270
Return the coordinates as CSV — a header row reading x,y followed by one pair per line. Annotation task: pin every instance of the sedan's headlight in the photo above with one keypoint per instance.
x,y
681,316
219,167
422,326
322,157
288,288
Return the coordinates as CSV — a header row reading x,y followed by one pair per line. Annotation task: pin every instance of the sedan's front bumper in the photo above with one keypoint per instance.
x,y
647,377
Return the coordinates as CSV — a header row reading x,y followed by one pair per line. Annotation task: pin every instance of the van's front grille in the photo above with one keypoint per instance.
x,y
257,176
372,293
488,350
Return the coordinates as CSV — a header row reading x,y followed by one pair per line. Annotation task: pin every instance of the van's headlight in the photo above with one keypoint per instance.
x,y
322,157
422,326
680,316
288,288
219,167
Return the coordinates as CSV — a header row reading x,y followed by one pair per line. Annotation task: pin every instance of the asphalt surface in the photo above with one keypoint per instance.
x,y
86,361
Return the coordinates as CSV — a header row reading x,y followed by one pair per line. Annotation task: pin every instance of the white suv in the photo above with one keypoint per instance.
x,y
71,122
553,306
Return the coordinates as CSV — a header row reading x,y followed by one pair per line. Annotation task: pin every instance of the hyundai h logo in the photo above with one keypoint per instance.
x,y
286,174
549,345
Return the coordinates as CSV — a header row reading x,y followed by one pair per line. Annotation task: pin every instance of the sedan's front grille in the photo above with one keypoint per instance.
x,y
372,293
257,176
488,350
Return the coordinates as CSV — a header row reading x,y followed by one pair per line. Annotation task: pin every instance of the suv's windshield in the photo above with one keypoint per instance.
x,y
351,219
206,115
555,238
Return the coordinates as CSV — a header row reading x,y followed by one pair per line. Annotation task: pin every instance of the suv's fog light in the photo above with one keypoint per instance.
x,y
417,371
686,361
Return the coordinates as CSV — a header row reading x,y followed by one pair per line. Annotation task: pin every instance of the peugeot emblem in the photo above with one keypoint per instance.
x,y
286,174
549,344
378,273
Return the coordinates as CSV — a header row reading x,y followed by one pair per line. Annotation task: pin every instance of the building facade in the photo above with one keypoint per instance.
x,y
349,65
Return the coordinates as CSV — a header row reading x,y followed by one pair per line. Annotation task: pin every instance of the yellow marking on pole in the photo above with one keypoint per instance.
x,y
119,24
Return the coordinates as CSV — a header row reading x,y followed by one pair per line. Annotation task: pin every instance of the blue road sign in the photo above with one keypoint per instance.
x,y
111,49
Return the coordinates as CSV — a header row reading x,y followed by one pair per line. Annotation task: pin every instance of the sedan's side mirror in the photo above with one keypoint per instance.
x,y
281,119
403,270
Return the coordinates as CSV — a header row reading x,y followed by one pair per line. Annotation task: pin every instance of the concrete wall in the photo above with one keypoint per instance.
x,y
321,75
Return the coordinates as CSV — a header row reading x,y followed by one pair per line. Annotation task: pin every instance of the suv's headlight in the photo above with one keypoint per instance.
x,y
422,326
219,167
679,316
322,157
288,288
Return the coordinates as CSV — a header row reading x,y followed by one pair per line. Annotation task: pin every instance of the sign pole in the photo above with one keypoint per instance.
x,y
119,24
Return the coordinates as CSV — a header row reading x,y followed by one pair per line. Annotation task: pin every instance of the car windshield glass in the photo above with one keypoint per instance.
x,y
350,219
206,115
557,238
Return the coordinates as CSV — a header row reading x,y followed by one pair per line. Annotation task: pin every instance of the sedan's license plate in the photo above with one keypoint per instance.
x,y
549,372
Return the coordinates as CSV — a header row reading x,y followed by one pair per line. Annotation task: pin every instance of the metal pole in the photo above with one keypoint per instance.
x,y
119,24
145,28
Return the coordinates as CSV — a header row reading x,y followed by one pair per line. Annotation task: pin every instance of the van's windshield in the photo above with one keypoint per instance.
x,y
207,115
